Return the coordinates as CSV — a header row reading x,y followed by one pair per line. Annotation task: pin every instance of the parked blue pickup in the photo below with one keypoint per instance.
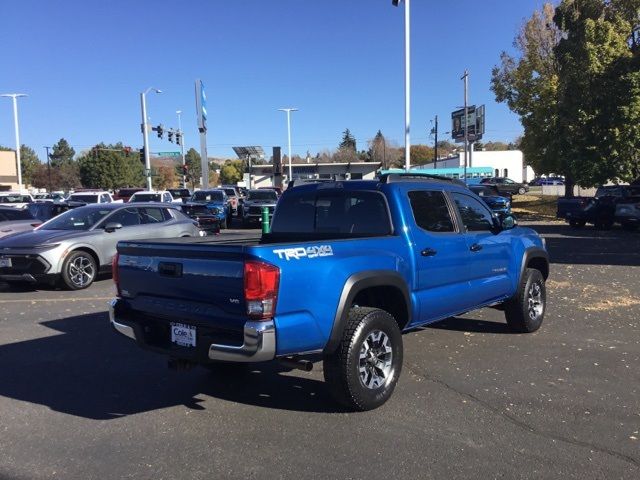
x,y
346,268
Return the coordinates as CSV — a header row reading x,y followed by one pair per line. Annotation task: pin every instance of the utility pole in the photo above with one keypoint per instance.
x,y
435,146
465,77
48,167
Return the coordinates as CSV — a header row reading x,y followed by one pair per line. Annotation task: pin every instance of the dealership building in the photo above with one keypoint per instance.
x,y
508,163
8,171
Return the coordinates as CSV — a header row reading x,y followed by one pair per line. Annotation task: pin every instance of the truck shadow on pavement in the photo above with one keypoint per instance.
x,y
587,245
89,371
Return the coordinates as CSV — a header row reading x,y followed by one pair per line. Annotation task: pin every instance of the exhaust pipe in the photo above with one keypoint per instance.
x,y
297,364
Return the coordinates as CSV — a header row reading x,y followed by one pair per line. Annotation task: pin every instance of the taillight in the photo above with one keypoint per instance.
x,y
261,282
115,273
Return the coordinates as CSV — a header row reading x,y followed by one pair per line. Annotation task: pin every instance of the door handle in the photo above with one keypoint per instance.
x,y
476,247
428,252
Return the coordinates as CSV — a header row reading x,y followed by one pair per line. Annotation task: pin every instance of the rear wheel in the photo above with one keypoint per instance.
x,y
525,311
577,223
362,373
79,270
603,223
522,191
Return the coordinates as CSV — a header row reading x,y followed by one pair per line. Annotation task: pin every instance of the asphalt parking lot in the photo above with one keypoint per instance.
x,y
474,401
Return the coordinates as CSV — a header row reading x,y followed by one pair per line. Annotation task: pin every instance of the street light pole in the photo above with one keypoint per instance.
x,y
407,81
15,96
184,162
145,135
288,111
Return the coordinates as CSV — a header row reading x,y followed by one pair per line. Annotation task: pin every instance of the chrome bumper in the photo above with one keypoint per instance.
x,y
259,343
125,330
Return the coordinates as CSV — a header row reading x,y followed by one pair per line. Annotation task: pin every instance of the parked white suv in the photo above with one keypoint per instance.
x,y
152,196
92,197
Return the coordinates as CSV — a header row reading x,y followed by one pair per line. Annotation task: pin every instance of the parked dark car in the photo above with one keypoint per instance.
x,y
489,195
208,222
182,194
125,194
506,185
599,210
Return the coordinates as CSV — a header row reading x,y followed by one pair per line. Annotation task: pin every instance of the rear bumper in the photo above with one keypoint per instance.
x,y
259,340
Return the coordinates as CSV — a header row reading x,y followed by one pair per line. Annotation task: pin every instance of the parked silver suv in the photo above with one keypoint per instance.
x,y
76,245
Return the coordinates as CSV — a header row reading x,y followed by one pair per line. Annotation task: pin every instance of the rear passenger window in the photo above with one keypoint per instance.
x,y
430,211
153,215
127,217
475,216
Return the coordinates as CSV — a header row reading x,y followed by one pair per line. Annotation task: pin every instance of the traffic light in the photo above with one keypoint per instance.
x,y
142,157
185,169
178,138
160,131
170,135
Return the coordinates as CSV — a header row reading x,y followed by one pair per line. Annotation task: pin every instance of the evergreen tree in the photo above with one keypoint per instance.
x,y
29,163
61,153
348,141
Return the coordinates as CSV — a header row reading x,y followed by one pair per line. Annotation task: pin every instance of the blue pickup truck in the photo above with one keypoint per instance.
x,y
346,268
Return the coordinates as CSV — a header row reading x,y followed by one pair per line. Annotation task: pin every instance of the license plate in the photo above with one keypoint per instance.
x,y
5,262
183,335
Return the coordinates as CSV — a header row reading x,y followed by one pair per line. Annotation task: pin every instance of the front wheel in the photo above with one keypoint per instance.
x,y
79,270
364,370
522,191
525,310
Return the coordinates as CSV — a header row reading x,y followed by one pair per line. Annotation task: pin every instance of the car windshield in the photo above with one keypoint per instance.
x,y
14,199
93,198
179,193
230,191
82,218
215,196
146,197
262,195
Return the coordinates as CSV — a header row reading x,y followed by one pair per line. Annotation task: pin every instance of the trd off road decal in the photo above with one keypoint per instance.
x,y
304,252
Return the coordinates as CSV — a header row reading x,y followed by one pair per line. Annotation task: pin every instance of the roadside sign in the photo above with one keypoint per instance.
x,y
168,154
475,122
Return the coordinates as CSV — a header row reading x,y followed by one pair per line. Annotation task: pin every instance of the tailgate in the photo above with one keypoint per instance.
x,y
197,283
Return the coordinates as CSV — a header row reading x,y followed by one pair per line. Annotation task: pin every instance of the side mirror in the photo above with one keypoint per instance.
x,y
508,222
112,227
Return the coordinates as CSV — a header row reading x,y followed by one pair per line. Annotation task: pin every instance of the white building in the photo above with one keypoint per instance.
x,y
508,163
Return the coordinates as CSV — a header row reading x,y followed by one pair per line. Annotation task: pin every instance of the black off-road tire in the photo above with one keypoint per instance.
x,y
342,368
525,310
603,223
79,270
577,223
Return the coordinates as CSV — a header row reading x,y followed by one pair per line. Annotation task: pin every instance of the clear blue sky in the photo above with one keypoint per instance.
x,y
84,64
